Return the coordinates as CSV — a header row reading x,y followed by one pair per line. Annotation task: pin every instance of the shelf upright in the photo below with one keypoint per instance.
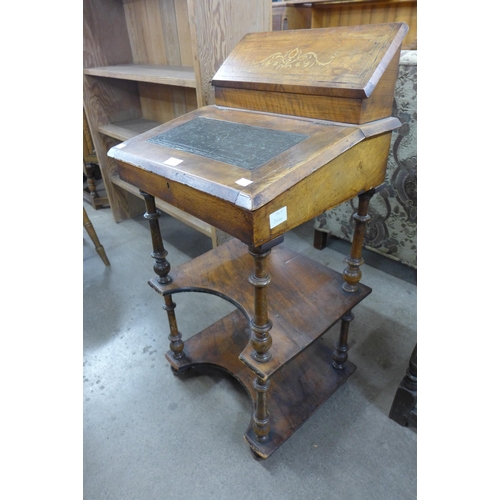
x,y
147,62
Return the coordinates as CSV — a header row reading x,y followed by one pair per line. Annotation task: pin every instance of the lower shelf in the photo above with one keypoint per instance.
x,y
295,392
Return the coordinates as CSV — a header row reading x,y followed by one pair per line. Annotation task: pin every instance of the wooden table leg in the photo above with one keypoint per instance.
x,y
261,339
352,273
261,423
340,351
261,324
162,268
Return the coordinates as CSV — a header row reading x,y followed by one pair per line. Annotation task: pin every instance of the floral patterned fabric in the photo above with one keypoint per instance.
x,y
392,230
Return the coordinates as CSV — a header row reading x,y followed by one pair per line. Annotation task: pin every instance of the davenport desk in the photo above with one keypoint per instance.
x,y
301,123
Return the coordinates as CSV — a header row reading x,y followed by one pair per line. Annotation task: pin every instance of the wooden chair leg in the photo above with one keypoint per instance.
x,y
261,338
404,406
93,236
352,273
340,351
162,268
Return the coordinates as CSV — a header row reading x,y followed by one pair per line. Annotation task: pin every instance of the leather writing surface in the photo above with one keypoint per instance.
x,y
245,146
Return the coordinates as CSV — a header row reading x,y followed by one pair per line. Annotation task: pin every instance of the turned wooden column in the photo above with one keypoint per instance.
x,y
340,351
261,338
261,324
261,424
162,268
352,273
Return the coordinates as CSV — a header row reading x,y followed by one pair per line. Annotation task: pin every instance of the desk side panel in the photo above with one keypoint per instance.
x,y
357,170
379,104
219,213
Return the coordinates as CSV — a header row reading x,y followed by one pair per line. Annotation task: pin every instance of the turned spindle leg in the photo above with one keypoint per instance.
x,y
352,273
261,324
340,351
261,340
162,268
261,424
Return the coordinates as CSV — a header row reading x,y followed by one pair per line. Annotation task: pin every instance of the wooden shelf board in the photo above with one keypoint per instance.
x,y
305,298
184,217
182,76
295,393
291,3
127,129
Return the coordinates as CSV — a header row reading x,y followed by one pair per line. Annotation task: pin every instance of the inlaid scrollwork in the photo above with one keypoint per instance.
x,y
292,59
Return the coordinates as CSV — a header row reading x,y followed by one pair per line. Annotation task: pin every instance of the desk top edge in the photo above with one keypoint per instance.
x,y
335,139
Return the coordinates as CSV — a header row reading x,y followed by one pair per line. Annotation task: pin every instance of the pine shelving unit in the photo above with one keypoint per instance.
x,y
146,62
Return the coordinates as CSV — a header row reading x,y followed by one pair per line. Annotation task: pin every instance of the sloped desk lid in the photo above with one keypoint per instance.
x,y
246,158
339,62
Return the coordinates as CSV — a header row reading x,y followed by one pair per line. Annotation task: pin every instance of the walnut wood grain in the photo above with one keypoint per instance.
x,y
295,279
352,273
342,62
349,110
285,302
261,324
294,393
162,268
339,355
318,167
345,73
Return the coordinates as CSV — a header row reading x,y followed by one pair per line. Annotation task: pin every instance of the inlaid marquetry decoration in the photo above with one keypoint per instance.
x,y
344,74
292,59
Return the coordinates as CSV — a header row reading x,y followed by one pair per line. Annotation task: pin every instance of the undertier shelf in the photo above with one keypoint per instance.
x,y
294,394
305,298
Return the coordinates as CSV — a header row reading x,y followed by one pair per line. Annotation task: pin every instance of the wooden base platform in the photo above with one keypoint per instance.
x,y
295,392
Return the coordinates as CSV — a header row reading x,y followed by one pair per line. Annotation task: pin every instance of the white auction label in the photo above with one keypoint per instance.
x,y
244,182
173,162
277,217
